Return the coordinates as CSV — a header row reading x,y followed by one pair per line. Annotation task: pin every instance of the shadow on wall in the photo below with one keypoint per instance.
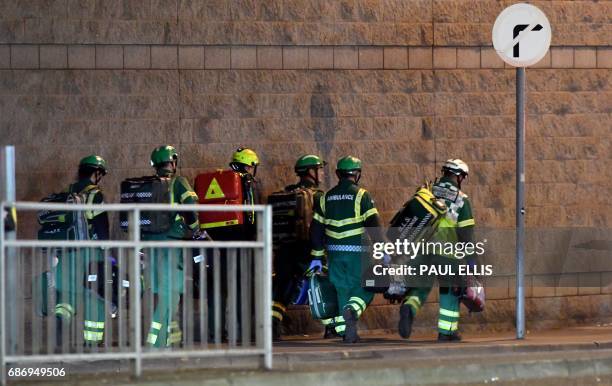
x,y
323,118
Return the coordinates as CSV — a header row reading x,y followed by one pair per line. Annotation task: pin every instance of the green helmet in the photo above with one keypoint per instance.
x,y
349,164
163,154
308,161
96,162
245,156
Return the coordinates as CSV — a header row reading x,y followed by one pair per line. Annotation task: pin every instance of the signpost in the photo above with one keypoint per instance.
x,y
521,37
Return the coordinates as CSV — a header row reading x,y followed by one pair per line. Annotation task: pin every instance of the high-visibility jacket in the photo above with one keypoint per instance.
x,y
343,212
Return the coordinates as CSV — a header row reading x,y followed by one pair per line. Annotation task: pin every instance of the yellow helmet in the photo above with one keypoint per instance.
x,y
245,156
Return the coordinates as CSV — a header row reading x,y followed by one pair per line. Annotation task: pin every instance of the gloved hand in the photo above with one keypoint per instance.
x,y
396,289
199,234
386,259
315,266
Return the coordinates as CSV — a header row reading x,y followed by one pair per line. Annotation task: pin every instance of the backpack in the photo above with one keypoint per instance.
x,y
419,217
417,220
292,213
64,224
148,190
221,187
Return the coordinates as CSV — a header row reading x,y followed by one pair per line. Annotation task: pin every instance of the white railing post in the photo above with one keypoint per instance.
x,y
136,283
10,278
2,302
267,287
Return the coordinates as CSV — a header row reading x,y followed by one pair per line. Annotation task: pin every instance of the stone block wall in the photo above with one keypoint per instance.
x,y
402,84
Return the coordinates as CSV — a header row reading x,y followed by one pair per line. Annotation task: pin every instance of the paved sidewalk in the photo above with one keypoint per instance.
x,y
579,355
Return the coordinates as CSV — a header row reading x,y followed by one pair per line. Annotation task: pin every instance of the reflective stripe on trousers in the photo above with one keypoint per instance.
x,y
356,304
93,331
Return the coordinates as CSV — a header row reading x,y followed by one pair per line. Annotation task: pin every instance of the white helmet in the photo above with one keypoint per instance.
x,y
456,166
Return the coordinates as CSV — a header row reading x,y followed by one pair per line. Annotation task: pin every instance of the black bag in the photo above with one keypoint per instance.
x,y
291,214
148,190
64,224
418,218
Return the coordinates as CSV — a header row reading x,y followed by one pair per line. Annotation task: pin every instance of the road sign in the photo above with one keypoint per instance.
x,y
521,35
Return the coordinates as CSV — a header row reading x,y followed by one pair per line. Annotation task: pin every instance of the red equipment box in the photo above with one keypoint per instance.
x,y
222,187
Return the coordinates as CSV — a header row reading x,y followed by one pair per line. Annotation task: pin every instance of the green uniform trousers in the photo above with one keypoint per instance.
x,y
448,318
166,281
345,275
72,271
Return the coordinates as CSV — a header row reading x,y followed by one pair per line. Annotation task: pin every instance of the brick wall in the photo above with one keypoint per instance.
x,y
402,84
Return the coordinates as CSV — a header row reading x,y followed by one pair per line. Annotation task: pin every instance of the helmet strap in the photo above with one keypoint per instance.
x,y
311,174
97,177
460,179
349,176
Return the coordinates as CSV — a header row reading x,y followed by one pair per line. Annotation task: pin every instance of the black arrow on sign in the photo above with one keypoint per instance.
x,y
517,30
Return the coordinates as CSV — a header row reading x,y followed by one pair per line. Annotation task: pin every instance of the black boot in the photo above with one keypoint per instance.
x,y
405,323
330,332
449,338
350,333
59,333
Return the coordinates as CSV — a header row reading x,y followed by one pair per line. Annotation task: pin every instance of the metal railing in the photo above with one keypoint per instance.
x,y
222,289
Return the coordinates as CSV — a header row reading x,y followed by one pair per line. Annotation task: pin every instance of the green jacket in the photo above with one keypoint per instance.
x,y
340,219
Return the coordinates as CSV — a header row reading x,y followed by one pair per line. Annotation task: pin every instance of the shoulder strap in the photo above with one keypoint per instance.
x,y
88,188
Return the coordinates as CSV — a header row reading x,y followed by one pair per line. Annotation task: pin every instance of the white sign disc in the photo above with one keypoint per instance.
x,y
521,35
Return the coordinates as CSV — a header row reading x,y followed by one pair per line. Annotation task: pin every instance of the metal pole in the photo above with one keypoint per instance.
x,y
10,263
520,202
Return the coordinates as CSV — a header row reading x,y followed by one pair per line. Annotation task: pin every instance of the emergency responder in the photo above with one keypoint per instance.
x,y
245,161
292,259
91,170
340,220
457,226
167,264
